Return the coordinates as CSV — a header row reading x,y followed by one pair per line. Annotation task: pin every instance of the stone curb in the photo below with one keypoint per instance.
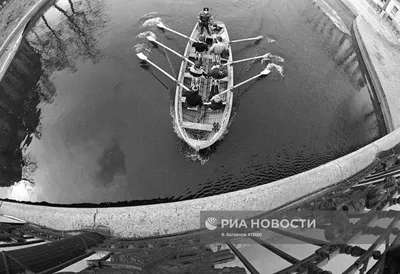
x,y
179,217
350,6
377,86
22,23
8,55
15,37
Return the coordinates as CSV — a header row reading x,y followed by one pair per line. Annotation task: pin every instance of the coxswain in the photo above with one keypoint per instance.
x,y
205,18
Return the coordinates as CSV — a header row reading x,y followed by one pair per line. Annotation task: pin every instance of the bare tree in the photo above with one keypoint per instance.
x,y
29,166
72,6
50,28
70,39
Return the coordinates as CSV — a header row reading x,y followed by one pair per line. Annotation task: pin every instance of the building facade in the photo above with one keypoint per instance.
x,y
390,12
391,15
393,10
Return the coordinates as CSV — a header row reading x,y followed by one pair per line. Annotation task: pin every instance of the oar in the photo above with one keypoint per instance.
x,y
152,39
262,73
247,59
248,39
162,26
143,57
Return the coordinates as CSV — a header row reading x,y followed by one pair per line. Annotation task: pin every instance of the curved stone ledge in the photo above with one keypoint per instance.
x,y
10,45
350,6
21,24
177,217
8,56
356,161
52,217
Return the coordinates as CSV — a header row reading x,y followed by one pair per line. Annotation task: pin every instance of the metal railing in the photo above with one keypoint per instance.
x,y
364,197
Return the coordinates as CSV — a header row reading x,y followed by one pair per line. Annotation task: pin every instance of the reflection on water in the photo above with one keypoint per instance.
x,y
112,163
46,49
64,35
105,133
19,117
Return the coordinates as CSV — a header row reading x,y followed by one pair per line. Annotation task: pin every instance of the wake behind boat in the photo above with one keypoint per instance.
x,y
201,126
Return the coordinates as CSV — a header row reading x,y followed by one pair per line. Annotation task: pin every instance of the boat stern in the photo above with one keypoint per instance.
x,y
198,145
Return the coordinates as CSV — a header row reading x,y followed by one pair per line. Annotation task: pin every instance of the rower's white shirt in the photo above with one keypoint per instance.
x,y
218,47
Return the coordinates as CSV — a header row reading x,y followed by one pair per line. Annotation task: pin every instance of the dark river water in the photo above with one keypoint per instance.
x,y
106,131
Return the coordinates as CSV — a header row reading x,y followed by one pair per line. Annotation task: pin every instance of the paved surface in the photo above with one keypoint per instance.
x,y
381,58
345,14
362,8
380,50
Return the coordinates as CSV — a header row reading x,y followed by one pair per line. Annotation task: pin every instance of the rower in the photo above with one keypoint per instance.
x,y
218,71
214,89
200,46
215,103
193,99
197,71
204,18
218,48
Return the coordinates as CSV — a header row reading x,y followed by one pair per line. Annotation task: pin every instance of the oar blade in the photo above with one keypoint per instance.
x,y
151,38
161,25
265,72
141,56
248,39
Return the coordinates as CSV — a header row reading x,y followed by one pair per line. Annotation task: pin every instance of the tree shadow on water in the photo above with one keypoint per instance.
x,y
75,36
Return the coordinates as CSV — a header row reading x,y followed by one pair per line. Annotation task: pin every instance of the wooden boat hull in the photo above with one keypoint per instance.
x,y
200,134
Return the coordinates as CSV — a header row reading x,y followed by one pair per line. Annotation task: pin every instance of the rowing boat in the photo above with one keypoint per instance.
x,y
201,127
